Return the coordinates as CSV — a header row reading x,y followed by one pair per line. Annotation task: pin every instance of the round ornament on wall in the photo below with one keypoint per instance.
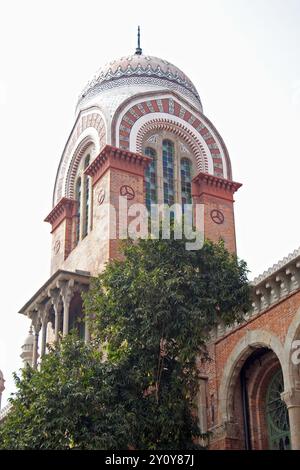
x,y
217,216
127,191
56,247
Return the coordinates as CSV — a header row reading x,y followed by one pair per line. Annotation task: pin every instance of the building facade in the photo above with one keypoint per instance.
x,y
140,132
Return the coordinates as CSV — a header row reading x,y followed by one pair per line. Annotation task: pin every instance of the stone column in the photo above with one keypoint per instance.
x,y
66,302
292,400
57,305
202,404
67,293
37,327
45,319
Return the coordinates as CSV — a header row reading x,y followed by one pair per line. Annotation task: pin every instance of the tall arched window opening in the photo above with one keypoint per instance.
x,y
86,200
151,178
186,181
78,215
168,172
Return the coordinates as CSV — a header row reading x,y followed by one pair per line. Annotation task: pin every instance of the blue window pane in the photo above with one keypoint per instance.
x,y
168,171
78,198
186,181
150,178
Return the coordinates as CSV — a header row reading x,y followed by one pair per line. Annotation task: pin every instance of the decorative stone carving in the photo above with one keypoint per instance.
x,y
272,286
140,70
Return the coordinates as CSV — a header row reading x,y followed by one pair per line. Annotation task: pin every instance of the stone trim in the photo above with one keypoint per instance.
x,y
219,187
272,287
173,108
113,157
42,295
273,269
179,130
88,122
252,339
64,209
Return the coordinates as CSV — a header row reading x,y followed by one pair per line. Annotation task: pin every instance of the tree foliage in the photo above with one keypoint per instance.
x,y
72,402
152,313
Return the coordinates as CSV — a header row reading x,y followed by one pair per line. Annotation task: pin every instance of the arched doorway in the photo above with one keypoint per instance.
x,y
264,419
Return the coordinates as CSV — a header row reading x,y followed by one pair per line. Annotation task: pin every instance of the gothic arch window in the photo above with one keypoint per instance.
x,y
83,196
87,194
78,214
277,414
169,176
151,178
168,172
186,180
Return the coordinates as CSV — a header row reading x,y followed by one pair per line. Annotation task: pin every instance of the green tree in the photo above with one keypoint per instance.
x,y
152,314
72,402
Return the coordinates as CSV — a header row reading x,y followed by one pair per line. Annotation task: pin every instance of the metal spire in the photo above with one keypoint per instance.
x,y
138,50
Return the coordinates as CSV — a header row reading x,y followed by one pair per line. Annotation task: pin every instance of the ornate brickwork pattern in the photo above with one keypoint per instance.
x,y
92,120
140,70
170,106
179,130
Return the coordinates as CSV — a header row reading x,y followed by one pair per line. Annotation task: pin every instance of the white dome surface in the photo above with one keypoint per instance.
x,y
29,340
131,73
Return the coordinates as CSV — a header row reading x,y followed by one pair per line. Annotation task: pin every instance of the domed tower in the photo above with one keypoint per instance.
x,y
27,349
139,131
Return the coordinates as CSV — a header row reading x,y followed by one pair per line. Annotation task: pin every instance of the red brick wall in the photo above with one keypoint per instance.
x,y
275,320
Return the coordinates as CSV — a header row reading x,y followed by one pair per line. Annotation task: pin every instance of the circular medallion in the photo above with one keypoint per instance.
x,y
217,216
101,196
127,191
56,246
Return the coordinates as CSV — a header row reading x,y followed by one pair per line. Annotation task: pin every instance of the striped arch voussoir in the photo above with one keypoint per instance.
x,y
182,132
174,109
92,120
79,152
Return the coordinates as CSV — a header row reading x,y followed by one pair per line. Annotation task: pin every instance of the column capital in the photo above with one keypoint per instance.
x,y
55,299
36,322
67,290
291,398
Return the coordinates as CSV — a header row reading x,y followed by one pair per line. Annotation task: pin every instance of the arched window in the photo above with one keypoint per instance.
x,y
168,171
86,200
76,316
78,199
87,161
277,414
150,178
186,181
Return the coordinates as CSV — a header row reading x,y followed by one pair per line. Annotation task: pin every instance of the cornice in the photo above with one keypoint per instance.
x,y
62,210
113,157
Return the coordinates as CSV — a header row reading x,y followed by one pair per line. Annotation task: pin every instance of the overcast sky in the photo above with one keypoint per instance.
x,y
243,57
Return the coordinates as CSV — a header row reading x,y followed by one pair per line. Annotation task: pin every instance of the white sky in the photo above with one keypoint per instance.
x,y
243,57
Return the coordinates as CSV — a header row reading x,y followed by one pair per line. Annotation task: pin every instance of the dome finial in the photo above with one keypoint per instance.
x,y
138,50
